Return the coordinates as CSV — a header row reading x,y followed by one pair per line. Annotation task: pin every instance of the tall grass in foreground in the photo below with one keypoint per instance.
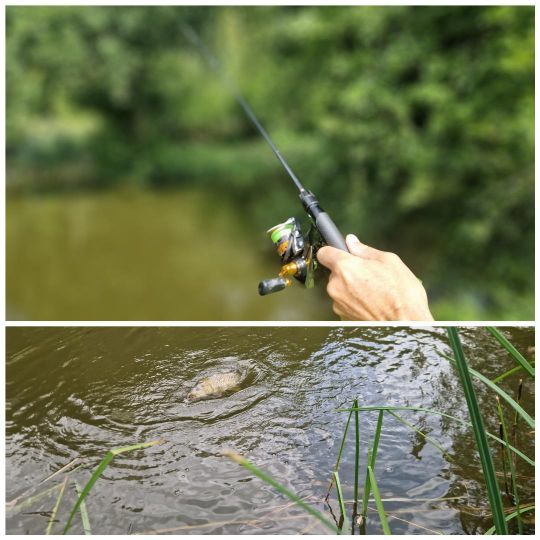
x,y
20,503
492,486
511,452
378,501
109,456
371,458
511,464
282,489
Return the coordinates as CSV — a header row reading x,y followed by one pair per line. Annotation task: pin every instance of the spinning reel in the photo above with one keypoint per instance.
x,y
297,254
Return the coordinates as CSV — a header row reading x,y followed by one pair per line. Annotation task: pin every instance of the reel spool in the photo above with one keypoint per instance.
x,y
297,256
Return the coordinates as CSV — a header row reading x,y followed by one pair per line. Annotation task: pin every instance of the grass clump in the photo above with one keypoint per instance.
x,y
500,516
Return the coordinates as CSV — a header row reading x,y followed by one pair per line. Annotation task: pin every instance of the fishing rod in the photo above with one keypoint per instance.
x,y
297,251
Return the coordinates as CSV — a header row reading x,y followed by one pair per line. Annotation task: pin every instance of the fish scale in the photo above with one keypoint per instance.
x,y
214,385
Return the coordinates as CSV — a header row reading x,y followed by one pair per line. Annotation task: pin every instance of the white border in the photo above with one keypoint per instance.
x,y
255,324
7,324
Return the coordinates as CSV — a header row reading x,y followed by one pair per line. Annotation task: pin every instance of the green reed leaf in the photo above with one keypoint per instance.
x,y
281,489
378,502
490,477
109,456
516,355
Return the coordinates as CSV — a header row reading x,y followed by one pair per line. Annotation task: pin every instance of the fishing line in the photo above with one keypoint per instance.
x,y
194,39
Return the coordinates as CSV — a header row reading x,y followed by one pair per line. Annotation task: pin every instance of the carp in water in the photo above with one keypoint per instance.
x,y
215,386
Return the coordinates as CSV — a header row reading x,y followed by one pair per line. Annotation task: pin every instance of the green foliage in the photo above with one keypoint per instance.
x,y
510,460
87,528
54,511
100,469
524,510
516,355
414,125
498,390
444,415
357,451
341,502
372,458
281,489
378,502
490,476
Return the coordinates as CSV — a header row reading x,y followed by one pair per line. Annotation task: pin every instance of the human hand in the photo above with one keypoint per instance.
x,y
371,285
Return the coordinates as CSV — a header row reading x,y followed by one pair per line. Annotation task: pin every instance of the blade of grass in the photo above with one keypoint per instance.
x,y
512,468
342,446
422,434
393,516
82,509
445,415
30,500
52,519
109,456
516,418
503,376
357,452
372,458
341,502
503,459
415,500
61,470
509,517
14,503
280,488
490,478
378,502
516,355
514,461
516,406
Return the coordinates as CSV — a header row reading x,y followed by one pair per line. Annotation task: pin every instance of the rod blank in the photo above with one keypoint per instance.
x,y
194,39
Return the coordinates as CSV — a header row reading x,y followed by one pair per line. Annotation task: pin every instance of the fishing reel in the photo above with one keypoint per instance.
x,y
297,254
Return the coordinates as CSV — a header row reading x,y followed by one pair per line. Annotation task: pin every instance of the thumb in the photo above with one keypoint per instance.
x,y
362,250
329,256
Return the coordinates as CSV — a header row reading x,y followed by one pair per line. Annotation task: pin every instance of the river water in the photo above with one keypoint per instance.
x,y
74,393
143,255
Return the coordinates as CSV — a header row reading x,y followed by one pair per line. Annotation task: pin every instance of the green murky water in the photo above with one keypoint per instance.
x,y
144,256
72,393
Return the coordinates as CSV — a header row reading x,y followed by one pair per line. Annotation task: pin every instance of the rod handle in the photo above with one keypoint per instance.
x,y
330,232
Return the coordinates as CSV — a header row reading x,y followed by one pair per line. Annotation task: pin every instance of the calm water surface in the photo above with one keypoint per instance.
x,y
76,392
141,255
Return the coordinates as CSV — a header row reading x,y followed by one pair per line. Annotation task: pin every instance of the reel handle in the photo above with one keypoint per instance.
x,y
330,232
269,286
